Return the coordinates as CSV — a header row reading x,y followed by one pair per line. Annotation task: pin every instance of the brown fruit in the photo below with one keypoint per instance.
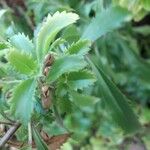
x,y
46,102
45,91
44,135
49,59
46,97
46,70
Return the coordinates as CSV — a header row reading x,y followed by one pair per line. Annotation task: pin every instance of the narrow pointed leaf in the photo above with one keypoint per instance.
x,y
105,22
22,62
50,28
116,102
65,64
23,99
40,144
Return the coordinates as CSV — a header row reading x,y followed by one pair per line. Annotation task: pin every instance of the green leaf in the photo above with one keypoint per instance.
x,y
22,62
3,72
40,144
146,4
22,43
3,45
71,34
65,64
81,47
105,22
116,102
56,43
65,105
50,28
139,66
2,12
83,100
23,99
81,79
144,30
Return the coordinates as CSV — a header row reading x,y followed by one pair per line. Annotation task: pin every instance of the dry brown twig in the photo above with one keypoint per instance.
x,y
9,134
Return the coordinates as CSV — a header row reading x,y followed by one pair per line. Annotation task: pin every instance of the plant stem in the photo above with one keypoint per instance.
x,y
9,82
6,123
5,116
9,134
29,134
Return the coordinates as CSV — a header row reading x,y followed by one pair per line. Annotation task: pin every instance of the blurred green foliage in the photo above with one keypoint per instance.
x,y
120,52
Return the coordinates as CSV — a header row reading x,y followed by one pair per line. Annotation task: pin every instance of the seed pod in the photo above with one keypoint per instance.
x,y
45,91
49,59
44,135
46,97
46,70
47,101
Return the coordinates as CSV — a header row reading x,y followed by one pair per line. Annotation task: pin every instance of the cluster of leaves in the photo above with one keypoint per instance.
x,y
69,78
138,8
68,73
